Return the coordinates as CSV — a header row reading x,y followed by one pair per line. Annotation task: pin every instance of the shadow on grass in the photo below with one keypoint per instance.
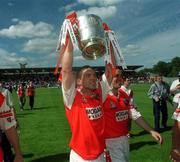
x,y
27,111
28,155
42,108
137,145
54,158
139,134
168,128
22,115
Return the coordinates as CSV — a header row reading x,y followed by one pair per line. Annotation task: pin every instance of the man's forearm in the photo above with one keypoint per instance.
x,y
142,123
175,136
67,61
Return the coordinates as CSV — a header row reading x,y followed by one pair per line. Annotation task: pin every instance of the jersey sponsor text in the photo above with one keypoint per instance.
x,y
122,115
94,113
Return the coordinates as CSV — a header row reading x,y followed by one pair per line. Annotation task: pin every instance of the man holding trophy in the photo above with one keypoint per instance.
x,y
84,110
83,94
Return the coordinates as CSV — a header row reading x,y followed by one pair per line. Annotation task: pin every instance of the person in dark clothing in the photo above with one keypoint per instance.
x,y
159,92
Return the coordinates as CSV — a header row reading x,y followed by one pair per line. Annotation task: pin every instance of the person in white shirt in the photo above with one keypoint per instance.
x,y
175,89
8,122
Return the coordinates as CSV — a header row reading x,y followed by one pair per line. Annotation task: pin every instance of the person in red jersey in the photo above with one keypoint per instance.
x,y
21,96
31,94
117,112
125,89
8,123
83,104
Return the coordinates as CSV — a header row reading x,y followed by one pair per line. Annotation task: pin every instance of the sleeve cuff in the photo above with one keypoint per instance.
x,y
135,114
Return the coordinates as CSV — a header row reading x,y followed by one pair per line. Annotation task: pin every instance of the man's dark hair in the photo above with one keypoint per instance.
x,y
79,73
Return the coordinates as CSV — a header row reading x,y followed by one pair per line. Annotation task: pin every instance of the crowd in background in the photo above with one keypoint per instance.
x,y
50,80
40,80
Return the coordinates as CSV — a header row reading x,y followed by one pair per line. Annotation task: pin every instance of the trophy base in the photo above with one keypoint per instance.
x,y
94,49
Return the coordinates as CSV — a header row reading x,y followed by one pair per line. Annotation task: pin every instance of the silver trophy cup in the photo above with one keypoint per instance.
x,y
92,36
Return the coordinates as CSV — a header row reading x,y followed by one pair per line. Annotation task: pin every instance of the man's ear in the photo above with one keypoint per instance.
x,y
79,82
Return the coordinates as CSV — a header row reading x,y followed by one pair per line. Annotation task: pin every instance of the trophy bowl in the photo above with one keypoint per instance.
x,y
92,36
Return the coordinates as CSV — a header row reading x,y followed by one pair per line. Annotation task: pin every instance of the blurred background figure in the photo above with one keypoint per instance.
x,y
31,94
175,90
21,95
159,92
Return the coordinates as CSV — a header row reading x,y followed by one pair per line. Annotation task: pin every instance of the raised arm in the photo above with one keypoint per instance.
x,y
109,73
67,61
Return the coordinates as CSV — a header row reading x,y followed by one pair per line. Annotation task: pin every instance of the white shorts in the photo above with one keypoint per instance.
x,y
74,157
118,148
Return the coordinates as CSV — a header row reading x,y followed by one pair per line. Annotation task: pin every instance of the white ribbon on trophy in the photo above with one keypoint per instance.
x,y
116,48
65,29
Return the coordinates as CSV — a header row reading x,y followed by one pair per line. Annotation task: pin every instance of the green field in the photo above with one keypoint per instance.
x,y
44,131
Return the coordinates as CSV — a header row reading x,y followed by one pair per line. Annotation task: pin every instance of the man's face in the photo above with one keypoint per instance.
x,y
127,82
159,78
89,79
117,79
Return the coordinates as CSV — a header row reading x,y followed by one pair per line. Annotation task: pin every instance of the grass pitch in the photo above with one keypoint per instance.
x,y
45,134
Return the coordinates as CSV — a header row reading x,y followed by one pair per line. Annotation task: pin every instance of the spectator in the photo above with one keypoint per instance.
x,y
31,94
159,92
21,96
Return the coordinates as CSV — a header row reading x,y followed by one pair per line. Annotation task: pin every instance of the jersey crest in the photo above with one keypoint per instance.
x,y
112,105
